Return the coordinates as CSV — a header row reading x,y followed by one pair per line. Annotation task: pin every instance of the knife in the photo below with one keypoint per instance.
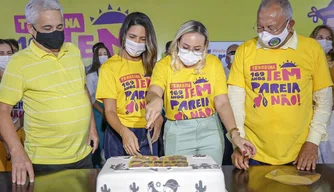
x,y
149,139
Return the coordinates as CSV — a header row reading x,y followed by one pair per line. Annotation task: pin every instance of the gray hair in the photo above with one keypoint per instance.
x,y
284,4
34,7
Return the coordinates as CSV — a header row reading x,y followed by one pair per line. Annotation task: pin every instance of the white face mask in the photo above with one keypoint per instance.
x,y
134,49
327,45
231,59
103,58
273,41
3,61
189,58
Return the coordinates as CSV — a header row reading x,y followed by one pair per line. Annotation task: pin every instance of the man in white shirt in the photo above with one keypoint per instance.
x,y
230,52
274,80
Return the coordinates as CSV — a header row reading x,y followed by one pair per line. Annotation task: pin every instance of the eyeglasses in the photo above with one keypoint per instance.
x,y
231,53
269,29
186,51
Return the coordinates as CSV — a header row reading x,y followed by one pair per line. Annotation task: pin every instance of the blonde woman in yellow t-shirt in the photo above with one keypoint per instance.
x,y
193,84
122,86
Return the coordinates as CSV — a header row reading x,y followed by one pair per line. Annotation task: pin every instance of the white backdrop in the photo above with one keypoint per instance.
x,y
218,48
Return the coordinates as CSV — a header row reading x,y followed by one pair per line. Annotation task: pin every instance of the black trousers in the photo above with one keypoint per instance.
x,y
85,163
227,160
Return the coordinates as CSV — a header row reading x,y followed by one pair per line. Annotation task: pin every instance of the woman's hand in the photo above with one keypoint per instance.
x,y
153,110
246,148
130,142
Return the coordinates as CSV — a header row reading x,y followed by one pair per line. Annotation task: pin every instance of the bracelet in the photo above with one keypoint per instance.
x,y
231,131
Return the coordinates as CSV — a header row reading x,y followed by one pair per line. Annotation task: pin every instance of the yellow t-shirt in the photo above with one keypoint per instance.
x,y
279,84
57,108
188,95
125,81
67,180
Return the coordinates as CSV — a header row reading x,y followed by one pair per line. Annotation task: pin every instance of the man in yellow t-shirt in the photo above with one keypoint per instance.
x,y
49,76
272,84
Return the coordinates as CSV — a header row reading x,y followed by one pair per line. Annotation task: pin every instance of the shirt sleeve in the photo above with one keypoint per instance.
x,y
236,76
91,78
321,118
13,83
83,73
237,97
106,86
159,75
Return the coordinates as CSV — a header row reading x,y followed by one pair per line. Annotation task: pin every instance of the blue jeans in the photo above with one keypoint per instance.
x,y
113,145
254,162
227,159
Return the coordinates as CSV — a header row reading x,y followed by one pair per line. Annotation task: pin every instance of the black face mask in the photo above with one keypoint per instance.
x,y
53,40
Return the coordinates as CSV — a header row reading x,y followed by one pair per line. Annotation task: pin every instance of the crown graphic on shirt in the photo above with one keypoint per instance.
x,y
288,64
201,80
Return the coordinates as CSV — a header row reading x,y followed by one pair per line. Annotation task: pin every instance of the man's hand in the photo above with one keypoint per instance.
x,y
21,164
7,151
93,137
156,126
239,161
307,157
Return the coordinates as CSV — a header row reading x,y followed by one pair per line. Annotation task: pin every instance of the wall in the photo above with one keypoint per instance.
x,y
91,21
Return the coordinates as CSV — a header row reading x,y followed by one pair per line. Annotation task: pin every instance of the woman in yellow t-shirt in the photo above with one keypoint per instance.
x,y
193,84
324,35
7,49
122,86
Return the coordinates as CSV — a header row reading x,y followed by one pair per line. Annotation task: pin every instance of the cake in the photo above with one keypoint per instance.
x,y
153,161
176,173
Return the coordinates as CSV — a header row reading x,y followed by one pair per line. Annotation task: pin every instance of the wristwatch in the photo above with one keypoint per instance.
x,y
232,130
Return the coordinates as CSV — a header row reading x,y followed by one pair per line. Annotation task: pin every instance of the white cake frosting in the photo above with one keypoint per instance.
x,y
202,174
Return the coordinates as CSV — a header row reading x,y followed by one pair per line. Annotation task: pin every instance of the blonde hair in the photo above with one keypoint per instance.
x,y
315,33
188,27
